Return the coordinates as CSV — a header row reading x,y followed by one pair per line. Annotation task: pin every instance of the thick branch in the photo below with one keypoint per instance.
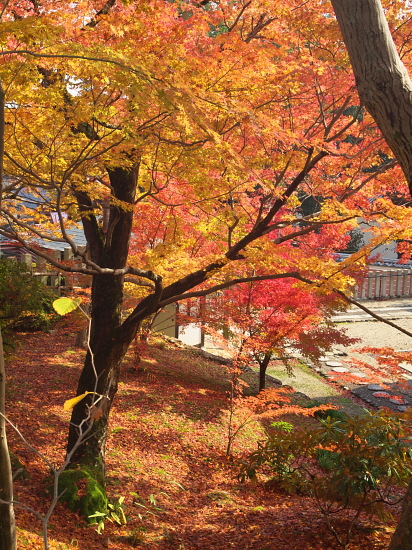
x,y
291,275
200,276
372,313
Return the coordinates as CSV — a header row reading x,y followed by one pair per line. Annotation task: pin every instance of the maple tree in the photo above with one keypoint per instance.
x,y
199,128
261,319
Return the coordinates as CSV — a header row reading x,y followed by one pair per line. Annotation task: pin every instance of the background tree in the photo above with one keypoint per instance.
x,y
261,319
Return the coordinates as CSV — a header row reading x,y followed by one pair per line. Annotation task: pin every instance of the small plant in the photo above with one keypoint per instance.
x,y
245,410
114,513
137,536
151,507
345,464
283,426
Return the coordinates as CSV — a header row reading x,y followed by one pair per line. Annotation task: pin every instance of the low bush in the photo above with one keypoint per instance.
x,y
345,463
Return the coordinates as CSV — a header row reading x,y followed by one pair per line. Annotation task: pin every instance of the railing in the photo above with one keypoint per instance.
x,y
385,284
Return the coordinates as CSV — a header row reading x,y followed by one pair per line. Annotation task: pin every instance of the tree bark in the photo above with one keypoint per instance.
x,y
7,522
383,82
402,538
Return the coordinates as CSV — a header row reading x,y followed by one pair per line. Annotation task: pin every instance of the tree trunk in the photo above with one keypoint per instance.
x,y
385,89
83,335
103,361
402,538
7,522
108,345
263,365
383,82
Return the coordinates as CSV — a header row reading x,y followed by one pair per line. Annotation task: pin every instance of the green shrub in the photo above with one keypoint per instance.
x,y
82,492
352,463
25,303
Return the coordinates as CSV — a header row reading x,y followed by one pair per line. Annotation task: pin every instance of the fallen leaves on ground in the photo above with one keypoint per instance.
x,y
165,455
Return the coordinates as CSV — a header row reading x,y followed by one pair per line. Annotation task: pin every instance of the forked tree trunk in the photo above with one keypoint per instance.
x,y
108,345
7,522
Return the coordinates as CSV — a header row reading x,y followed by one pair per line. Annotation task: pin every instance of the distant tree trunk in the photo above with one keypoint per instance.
x,y
382,80
263,365
385,89
7,522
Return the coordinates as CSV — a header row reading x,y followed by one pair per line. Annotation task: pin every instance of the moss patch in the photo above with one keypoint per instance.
x,y
82,492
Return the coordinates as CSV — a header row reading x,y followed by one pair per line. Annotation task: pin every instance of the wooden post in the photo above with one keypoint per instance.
x,y
55,279
26,259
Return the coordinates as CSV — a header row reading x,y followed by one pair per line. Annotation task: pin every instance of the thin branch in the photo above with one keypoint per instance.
x,y
372,313
239,15
82,57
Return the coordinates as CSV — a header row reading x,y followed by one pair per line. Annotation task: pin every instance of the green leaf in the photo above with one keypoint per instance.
x,y
63,306
97,515
123,516
115,518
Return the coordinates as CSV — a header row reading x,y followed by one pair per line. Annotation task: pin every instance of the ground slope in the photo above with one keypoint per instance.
x,y
165,455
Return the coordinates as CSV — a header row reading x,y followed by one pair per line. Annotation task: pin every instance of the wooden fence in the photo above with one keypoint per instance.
x,y
377,284
385,284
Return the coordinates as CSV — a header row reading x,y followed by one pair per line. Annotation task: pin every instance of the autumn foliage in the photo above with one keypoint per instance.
x,y
197,145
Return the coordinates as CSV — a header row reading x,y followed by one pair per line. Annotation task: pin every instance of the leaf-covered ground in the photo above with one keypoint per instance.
x,y
165,455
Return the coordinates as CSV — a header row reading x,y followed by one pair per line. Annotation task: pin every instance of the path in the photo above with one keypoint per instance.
x,y
357,324
375,334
